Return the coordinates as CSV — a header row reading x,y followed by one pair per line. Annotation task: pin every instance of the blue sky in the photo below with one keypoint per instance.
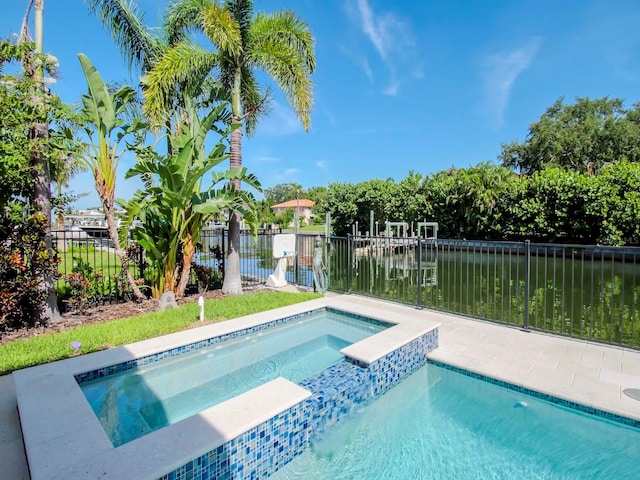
x,y
399,86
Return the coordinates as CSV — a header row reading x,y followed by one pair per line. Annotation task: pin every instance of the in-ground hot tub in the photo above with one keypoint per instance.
x,y
139,400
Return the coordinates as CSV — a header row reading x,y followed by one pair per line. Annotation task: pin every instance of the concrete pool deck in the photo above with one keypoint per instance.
x,y
583,372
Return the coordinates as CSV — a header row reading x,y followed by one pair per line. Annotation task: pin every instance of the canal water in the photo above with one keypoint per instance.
x,y
576,291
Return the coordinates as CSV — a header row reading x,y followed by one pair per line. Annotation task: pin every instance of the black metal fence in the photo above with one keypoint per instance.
x,y
91,273
589,292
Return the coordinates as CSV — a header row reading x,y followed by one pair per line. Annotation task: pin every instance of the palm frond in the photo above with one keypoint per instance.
x,y
181,64
227,66
98,106
222,29
242,12
285,28
256,104
182,17
137,44
282,45
288,70
132,209
210,92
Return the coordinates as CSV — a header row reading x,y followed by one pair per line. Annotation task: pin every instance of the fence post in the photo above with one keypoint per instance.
x,y
224,252
296,270
419,250
527,271
141,261
349,239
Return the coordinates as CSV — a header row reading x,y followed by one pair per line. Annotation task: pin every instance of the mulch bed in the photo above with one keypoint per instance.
x,y
102,313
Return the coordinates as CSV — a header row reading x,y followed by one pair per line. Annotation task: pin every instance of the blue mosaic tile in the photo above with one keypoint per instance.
x,y
362,318
340,389
255,454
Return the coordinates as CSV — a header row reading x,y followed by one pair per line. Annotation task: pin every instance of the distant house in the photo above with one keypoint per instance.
x,y
303,205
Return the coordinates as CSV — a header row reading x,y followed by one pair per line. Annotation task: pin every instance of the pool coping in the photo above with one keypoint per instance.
x,y
49,395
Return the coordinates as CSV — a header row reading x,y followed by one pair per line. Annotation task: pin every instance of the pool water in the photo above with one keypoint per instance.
x,y
440,424
136,402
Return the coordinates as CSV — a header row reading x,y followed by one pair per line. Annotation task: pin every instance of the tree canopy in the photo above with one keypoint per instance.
x,y
282,192
244,43
18,113
582,137
488,202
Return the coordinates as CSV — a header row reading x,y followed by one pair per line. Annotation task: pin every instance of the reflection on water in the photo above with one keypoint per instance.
x,y
573,291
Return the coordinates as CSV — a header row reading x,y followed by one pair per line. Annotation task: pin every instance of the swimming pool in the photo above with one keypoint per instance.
x,y
140,400
439,423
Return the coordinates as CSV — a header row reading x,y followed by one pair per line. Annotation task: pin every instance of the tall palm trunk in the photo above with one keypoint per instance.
x,y
42,202
42,188
232,279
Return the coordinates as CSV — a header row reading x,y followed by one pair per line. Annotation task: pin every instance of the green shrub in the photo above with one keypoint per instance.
x,y
24,261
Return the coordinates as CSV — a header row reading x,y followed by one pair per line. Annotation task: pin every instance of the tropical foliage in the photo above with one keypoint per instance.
x,y
281,193
175,205
27,267
278,44
578,182
18,113
491,203
24,260
103,121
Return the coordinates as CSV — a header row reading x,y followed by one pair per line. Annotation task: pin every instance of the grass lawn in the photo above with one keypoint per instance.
x,y
313,228
100,259
307,229
50,347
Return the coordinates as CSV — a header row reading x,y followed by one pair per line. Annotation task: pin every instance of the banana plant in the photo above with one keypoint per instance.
x,y
176,203
102,118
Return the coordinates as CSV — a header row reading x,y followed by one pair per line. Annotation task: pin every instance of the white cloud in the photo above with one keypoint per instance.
x,y
280,122
393,41
372,28
392,89
499,73
267,159
366,67
274,177
360,60
321,164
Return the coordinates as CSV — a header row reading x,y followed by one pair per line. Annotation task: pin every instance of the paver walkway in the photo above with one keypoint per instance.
x,y
13,464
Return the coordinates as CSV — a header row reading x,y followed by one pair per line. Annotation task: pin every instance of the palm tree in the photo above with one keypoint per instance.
x,y
279,44
141,49
42,189
101,119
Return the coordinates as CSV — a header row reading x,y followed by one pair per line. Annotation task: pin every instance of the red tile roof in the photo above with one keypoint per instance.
x,y
302,203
